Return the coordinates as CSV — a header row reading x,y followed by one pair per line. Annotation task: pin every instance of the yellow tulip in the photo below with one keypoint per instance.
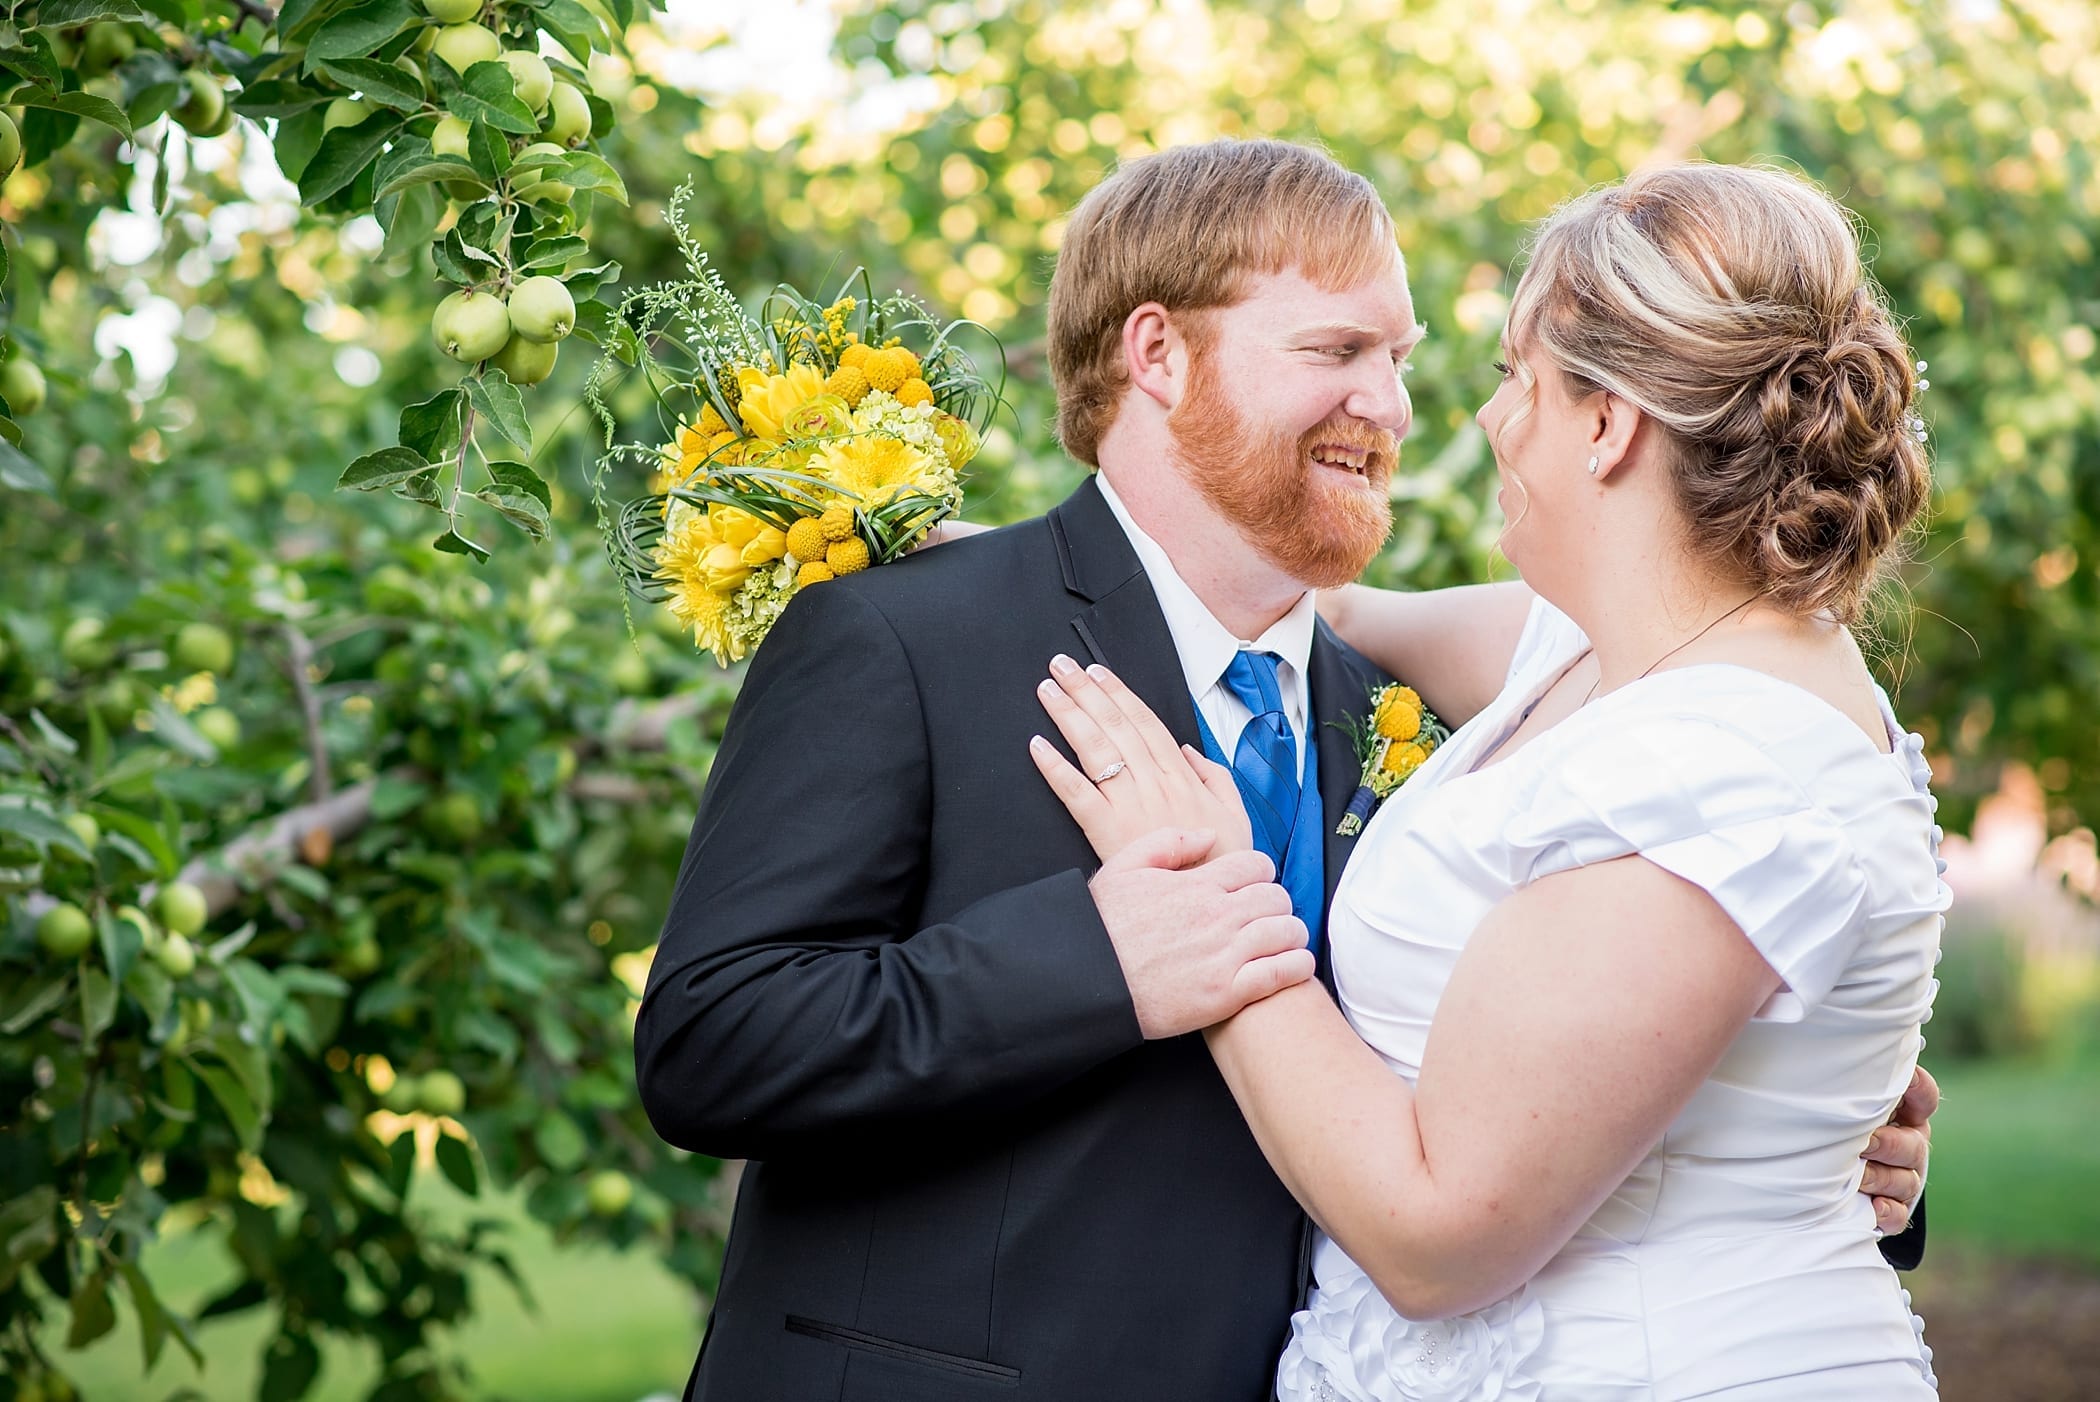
x,y
769,401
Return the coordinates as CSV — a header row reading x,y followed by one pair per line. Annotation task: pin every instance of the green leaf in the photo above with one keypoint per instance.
x,y
98,1004
392,796
122,941
387,466
431,428
93,1314
234,1099
153,1316
588,171
297,16
517,475
33,1008
380,82
430,172
410,219
453,543
496,399
456,1158
522,509
357,32
552,252
170,725
278,97
487,93
290,1365
298,139
585,282
77,104
489,150
34,62
64,14
38,827
559,1141
144,831
344,154
595,321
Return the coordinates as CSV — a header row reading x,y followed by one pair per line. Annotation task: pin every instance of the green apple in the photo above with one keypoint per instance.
x,y
182,908
454,817
531,78
202,103
449,138
539,185
177,957
463,45
203,647
83,644
106,45
65,931
218,725
22,385
403,1095
426,39
526,362
359,957
542,310
84,827
10,144
149,933
568,116
452,11
441,1093
470,326
609,1193
345,112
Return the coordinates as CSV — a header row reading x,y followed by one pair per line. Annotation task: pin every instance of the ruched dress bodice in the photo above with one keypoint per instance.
x,y
1738,1260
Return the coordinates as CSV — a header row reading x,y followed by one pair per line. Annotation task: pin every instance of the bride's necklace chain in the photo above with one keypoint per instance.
x,y
1592,693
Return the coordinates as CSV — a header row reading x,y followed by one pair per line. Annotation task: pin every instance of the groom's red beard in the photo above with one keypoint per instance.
x,y
1318,525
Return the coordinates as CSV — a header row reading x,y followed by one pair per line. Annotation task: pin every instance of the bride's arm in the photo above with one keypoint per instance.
x,y
1451,645
1583,1015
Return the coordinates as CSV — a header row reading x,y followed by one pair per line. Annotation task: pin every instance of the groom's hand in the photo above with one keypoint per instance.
x,y
1896,1155
1198,941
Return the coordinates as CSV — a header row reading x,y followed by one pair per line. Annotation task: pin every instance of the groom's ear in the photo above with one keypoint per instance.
x,y
1155,355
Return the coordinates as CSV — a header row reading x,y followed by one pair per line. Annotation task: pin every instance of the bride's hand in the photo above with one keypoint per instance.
x,y
1136,779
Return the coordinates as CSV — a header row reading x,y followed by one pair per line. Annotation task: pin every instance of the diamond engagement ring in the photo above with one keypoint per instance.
x,y
1109,773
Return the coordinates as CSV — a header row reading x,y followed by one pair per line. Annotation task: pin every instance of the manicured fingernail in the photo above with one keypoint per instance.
x,y
1098,672
1038,743
1063,666
1049,688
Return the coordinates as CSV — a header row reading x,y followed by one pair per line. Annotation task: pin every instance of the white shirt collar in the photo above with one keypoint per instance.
x,y
1206,645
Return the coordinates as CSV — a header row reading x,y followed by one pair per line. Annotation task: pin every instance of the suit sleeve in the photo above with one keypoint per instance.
x,y
791,1003
1906,1249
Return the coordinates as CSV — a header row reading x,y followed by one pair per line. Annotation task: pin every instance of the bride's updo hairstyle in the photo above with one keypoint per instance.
x,y
1730,305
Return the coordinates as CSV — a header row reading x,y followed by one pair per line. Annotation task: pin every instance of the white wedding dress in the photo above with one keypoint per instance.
x,y
1738,1261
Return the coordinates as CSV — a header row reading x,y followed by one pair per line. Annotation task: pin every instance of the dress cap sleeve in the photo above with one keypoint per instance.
x,y
1711,805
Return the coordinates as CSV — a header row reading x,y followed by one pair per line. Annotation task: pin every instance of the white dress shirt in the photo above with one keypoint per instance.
x,y
1206,646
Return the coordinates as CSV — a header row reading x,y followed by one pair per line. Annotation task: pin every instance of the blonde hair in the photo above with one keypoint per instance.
x,y
1730,305
1188,228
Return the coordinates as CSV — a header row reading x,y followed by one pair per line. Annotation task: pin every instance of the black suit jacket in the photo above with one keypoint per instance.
x,y
883,980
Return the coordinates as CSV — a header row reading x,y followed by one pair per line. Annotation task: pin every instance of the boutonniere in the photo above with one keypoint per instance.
x,y
1392,741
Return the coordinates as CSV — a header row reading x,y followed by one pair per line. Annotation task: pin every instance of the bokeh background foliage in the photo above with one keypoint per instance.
x,y
529,772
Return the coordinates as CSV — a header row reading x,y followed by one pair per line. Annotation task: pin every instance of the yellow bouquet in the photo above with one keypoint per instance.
x,y
810,441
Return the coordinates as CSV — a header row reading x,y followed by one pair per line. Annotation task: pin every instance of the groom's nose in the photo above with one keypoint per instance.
x,y
1381,398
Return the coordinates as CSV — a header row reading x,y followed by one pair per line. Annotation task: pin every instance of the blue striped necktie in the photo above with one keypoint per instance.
x,y
1265,762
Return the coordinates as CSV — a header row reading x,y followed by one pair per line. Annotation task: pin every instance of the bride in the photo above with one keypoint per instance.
x,y
1662,914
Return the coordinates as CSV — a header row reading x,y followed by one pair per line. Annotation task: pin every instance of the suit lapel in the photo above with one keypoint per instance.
x,y
1337,691
1121,627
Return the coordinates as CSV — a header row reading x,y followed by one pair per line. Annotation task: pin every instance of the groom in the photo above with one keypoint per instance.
x,y
987,1159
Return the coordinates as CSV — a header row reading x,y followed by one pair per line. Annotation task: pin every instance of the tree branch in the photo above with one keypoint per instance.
x,y
298,665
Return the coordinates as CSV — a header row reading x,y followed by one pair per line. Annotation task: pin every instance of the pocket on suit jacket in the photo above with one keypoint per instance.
x,y
863,1342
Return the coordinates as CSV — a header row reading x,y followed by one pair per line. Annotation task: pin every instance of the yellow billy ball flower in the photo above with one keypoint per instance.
x,y
888,369
1402,760
836,523
710,423
848,556
1399,722
806,540
848,383
914,392
855,355
815,572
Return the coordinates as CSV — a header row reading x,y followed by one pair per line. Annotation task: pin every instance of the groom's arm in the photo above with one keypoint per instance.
x,y
790,1000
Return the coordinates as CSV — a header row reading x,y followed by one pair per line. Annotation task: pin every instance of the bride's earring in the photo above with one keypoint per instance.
x,y
1593,464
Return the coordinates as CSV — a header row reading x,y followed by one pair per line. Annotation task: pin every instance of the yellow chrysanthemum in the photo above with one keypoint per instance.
x,y
836,522
888,369
874,468
806,540
914,392
855,355
1397,721
1403,759
848,556
815,572
848,383
769,401
695,601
